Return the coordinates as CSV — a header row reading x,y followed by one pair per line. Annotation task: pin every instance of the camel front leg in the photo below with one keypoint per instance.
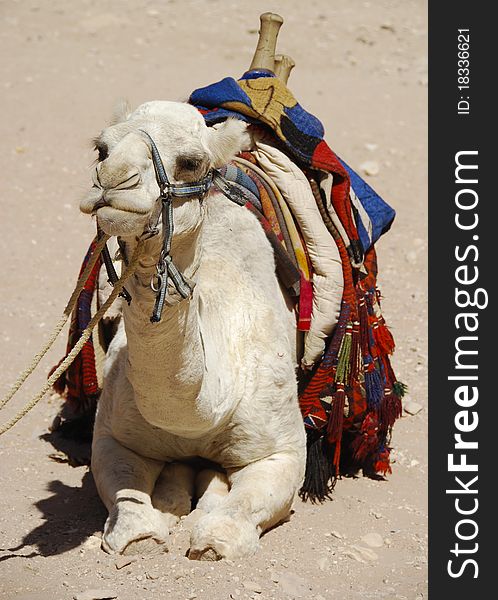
x,y
125,482
261,496
174,491
211,488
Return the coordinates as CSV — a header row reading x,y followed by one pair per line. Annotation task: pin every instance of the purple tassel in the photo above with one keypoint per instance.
x,y
374,388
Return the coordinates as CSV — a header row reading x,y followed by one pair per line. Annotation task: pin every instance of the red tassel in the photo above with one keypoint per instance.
x,y
383,337
367,441
390,409
336,417
382,463
337,458
364,327
335,425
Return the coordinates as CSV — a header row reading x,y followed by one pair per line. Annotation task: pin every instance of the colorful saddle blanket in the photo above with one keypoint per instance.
x,y
263,99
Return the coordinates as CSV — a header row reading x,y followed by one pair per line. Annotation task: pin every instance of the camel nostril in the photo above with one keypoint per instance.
x,y
100,203
131,181
117,178
96,179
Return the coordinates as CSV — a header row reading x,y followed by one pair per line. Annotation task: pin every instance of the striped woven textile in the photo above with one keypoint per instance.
x,y
282,223
351,399
265,100
79,384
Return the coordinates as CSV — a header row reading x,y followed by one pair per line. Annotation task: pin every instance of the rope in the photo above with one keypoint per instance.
x,y
100,243
84,337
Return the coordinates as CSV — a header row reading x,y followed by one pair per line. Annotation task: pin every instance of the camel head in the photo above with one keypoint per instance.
x,y
124,196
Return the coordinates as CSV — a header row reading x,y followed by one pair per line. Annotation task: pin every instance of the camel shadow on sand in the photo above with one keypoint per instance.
x,y
71,515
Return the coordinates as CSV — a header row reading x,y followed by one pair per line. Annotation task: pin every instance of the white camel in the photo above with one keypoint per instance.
x,y
216,378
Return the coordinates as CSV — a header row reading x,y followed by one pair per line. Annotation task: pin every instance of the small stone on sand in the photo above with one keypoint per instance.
x,y
412,408
124,561
360,554
370,167
374,540
96,594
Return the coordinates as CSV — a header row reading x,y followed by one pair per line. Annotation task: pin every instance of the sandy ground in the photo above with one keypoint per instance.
x,y
361,67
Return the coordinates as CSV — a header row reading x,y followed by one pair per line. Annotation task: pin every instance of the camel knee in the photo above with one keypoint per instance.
x,y
116,469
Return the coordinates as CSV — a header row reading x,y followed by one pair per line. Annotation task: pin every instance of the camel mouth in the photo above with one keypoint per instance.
x,y
127,210
117,204
120,221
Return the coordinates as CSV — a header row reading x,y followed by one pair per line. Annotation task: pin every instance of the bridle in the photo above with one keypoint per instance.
x,y
166,269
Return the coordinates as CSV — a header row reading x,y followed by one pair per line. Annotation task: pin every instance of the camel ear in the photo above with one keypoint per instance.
x,y
226,140
122,110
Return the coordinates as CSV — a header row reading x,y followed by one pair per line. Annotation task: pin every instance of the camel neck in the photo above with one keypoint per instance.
x,y
166,359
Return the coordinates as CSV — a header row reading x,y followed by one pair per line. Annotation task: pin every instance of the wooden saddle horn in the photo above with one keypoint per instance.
x,y
283,66
264,56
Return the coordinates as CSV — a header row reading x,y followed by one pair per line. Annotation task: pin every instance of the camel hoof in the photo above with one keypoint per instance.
x,y
134,528
146,545
218,536
206,554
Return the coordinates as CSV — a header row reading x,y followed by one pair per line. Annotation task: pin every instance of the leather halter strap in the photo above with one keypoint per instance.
x,y
166,270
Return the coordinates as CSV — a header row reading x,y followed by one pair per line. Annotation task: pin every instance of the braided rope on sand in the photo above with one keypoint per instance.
x,y
130,269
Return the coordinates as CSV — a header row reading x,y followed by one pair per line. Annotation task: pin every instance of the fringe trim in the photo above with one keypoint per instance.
x,y
320,475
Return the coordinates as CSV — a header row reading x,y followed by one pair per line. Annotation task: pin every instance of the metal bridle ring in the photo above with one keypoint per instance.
x,y
165,192
159,278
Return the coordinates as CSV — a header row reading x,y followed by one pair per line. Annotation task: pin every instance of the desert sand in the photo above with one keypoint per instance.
x,y
361,68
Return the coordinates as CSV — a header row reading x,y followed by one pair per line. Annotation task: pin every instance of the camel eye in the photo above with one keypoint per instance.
x,y
188,163
102,150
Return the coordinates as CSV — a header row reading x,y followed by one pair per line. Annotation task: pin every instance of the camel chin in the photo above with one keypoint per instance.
x,y
118,222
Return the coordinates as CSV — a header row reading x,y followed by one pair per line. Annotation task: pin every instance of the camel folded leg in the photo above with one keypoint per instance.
x,y
174,490
125,482
261,496
211,488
